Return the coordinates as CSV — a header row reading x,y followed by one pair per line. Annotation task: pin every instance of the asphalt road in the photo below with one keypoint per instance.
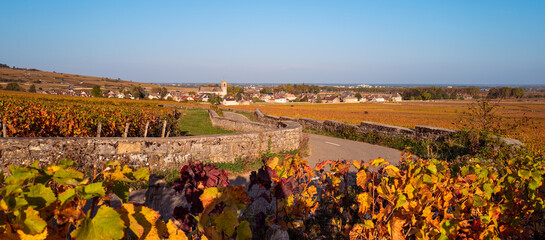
x,y
331,148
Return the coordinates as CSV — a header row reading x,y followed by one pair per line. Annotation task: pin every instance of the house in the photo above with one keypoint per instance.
x,y
154,96
186,98
350,100
280,100
378,99
229,101
290,97
221,91
243,102
396,98
331,99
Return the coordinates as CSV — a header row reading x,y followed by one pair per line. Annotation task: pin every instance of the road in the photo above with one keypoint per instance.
x,y
331,148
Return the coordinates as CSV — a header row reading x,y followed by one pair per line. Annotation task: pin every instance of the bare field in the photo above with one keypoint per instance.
x,y
444,114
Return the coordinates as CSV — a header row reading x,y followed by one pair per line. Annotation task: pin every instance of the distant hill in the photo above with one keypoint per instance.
x,y
43,80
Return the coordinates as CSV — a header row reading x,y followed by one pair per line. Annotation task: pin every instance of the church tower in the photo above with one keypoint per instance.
x,y
223,87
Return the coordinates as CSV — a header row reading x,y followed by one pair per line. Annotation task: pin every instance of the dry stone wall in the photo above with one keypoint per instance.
x,y
418,133
157,153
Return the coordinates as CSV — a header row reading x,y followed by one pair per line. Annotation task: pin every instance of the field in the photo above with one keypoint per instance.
x,y
446,114
61,81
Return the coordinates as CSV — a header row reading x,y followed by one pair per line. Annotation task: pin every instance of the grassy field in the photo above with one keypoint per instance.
x,y
196,122
444,114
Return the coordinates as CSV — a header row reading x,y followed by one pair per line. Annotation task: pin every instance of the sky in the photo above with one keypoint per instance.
x,y
323,42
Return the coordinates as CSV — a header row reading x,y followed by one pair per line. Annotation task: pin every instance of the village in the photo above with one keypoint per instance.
x,y
228,95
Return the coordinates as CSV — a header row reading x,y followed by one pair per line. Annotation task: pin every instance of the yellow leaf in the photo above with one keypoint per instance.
x,y
377,162
357,164
208,196
392,171
174,232
397,228
409,190
52,169
361,178
39,236
272,163
364,202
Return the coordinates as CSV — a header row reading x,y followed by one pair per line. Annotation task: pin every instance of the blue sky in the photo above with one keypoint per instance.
x,y
371,42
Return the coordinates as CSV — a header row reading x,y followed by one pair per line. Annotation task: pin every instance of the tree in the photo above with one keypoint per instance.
x,y
138,92
518,92
96,92
426,96
32,88
358,96
13,87
215,99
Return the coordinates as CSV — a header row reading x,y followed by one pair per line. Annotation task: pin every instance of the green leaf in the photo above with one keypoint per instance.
x,y
488,190
368,224
15,202
31,221
93,190
64,163
20,174
67,177
39,196
122,191
106,225
67,195
524,174
433,169
226,222
142,174
447,228
243,231
478,201
533,185
401,200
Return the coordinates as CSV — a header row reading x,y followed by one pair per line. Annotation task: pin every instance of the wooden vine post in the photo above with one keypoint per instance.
x,y
164,128
99,129
4,129
146,130
126,130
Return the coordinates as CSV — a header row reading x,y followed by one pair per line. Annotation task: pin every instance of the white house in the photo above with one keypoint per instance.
x,y
229,101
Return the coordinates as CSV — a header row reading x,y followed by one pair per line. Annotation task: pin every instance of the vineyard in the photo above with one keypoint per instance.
x,y
529,116
417,199
36,115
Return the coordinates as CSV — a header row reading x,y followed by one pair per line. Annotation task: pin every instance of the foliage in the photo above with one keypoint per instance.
x,y
32,88
215,205
96,92
52,202
32,115
138,92
13,86
505,92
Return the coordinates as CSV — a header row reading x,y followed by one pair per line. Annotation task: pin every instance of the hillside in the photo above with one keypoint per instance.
x,y
48,81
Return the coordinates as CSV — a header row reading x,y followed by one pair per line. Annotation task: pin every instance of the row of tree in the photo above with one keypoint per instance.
x,y
293,89
505,92
13,86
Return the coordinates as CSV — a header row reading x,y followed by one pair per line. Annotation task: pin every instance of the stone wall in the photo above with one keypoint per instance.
x,y
157,153
419,133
